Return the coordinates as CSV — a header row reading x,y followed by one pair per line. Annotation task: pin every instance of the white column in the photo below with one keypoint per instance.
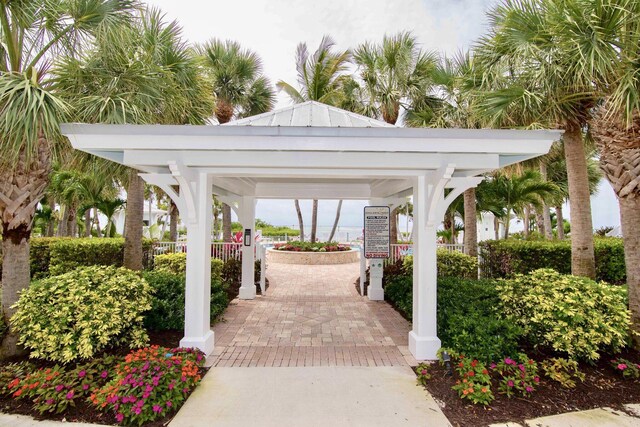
x,y
248,219
197,328
423,339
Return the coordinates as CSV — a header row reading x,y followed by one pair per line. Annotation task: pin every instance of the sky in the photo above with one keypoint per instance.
x,y
273,29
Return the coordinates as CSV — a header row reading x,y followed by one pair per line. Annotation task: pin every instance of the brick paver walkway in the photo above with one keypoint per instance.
x,y
311,316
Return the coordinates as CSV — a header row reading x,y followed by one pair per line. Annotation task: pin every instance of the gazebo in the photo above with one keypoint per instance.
x,y
308,151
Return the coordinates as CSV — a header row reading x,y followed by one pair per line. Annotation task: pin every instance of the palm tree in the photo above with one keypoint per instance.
x,y
32,34
542,58
514,192
241,90
321,77
396,74
138,73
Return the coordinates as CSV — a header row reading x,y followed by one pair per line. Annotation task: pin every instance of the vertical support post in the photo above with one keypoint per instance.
x,y
423,339
363,269
263,268
248,286
197,328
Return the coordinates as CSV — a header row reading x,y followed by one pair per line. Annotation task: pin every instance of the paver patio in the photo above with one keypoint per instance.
x,y
311,315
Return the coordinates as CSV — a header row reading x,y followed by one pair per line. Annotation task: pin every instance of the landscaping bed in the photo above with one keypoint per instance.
x,y
603,386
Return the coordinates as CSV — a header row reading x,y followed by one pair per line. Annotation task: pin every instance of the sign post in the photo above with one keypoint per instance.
x,y
377,238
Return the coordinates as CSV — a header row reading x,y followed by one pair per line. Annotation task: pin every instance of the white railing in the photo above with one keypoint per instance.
x,y
219,250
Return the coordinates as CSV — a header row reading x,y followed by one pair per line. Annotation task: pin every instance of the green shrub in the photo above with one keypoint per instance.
x,y
505,258
569,314
450,264
167,303
469,320
176,263
564,371
39,255
77,314
68,254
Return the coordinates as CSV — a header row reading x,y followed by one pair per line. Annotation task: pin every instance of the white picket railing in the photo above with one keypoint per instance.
x,y
400,250
219,250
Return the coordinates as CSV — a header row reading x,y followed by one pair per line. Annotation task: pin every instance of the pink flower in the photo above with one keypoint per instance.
x,y
521,367
169,404
536,379
104,374
50,401
492,366
119,417
82,373
622,366
171,385
529,388
157,408
69,395
510,383
59,388
85,387
509,361
423,372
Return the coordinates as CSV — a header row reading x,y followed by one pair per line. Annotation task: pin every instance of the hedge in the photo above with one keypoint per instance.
x,y
450,264
506,258
176,263
50,256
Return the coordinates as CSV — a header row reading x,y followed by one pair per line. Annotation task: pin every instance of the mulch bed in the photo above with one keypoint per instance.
x,y
83,411
602,387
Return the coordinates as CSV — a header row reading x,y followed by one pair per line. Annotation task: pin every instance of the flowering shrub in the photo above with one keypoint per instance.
x,y
564,371
627,368
75,315
312,247
571,314
475,382
517,376
422,371
55,389
150,383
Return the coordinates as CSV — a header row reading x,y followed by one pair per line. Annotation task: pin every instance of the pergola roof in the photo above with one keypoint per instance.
x,y
309,151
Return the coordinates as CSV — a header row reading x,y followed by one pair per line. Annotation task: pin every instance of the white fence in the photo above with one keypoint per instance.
x,y
220,250
400,250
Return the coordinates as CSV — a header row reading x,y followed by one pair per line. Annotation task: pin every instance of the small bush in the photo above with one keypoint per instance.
x,y
569,314
68,254
167,303
176,263
627,368
475,382
505,258
517,376
422,372
563,371
77,314
450,264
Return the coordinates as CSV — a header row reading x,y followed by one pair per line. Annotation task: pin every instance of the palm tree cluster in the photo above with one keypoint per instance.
x,y
569,64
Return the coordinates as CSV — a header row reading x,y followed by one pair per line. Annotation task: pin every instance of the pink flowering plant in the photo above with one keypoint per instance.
x,y
422,372
55,389
516,376
626,368
149,384
474,381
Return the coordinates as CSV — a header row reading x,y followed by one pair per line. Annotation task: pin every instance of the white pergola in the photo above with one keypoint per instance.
x,y
308,151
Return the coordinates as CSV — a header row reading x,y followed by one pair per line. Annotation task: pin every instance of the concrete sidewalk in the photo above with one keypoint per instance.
x,y
310,397
599,417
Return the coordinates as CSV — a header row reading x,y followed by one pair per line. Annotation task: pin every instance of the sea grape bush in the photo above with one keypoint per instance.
x,y
517,376
563,371
149,384
78,314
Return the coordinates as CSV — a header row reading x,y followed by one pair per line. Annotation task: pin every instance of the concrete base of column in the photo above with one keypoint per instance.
x,y
424,348
375,294
247,293
204,343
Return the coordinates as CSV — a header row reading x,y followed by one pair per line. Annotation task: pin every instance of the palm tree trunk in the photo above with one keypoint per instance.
x,y
133,223
64,221
96,221
546,215
496,227
560,222
393,226
527,220
300,221
72,227
314,221
173,222
149,213
540,222
629,221
226,222
20,191
87,223
470,223
582,253
507,223
51,225
335,222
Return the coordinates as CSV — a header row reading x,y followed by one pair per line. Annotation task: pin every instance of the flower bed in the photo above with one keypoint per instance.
x,y
332,254
311,247
147,386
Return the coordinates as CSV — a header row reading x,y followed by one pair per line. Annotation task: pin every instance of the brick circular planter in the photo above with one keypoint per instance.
x,y
313,258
